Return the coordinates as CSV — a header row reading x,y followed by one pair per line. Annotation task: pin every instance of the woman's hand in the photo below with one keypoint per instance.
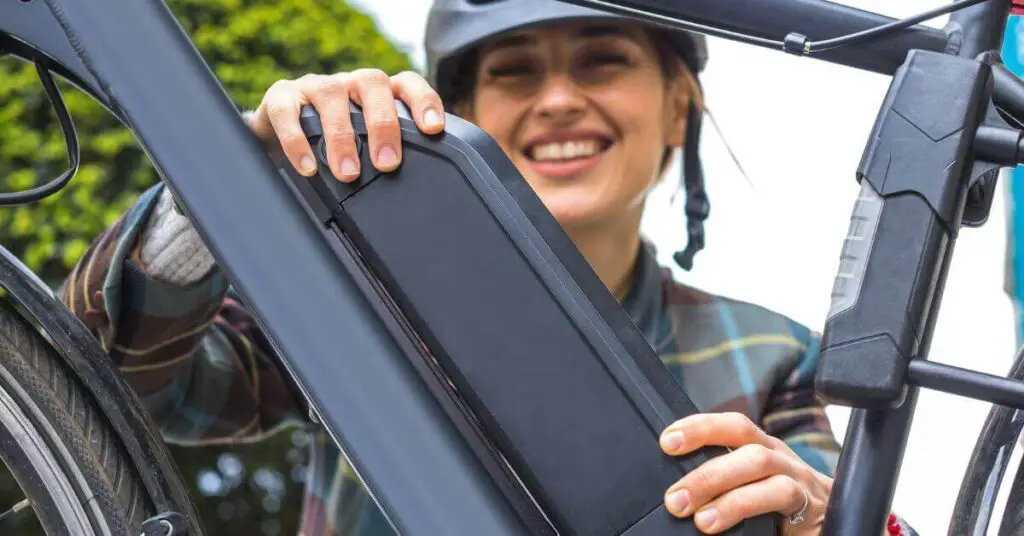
x,y
276,120
760,475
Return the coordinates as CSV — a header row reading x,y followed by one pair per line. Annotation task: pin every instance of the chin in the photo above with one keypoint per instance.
x,y
572,213
582,201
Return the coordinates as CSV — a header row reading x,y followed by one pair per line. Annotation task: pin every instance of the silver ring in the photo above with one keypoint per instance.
x,y
798,517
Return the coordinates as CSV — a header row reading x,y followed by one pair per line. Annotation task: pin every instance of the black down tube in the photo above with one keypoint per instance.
x,y
775,19
915,175
413,459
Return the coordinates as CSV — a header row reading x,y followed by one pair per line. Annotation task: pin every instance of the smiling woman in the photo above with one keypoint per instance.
x,y
589,112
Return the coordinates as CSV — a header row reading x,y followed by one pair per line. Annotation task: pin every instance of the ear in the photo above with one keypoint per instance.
x,y
682,93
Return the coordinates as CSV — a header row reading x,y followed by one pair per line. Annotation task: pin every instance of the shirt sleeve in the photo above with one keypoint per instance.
x,y
193,353
796,415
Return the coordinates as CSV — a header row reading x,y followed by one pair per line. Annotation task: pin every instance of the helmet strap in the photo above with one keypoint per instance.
x,y
697,205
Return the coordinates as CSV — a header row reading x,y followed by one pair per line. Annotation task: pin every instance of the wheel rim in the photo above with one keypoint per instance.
x,y
41,449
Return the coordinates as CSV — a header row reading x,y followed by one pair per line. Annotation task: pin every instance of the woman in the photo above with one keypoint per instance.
x,y
590,108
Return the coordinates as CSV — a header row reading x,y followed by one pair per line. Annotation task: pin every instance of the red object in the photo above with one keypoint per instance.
x,y
893,526
1017,7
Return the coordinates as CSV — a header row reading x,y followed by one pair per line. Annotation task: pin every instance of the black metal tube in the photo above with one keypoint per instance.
x,y
775,19
412,458
980,28
972,384
868,469
980,486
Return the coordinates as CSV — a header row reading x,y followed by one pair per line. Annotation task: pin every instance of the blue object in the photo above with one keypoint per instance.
x,y
1013,58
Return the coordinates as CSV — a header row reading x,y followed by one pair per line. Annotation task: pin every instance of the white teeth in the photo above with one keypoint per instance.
x,y
565,151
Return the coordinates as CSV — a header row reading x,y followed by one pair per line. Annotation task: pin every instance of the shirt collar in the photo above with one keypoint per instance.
x,y
645,298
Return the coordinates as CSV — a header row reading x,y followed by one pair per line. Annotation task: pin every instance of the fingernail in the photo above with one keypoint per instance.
x,y
348,166
672,441
308,164
706,518
432,118
677,501
387,157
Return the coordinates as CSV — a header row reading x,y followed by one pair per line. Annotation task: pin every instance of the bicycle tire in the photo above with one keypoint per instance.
x,y
57,444
1012,523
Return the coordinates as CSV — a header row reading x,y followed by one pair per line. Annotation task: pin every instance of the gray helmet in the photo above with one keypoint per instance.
x,y
456,26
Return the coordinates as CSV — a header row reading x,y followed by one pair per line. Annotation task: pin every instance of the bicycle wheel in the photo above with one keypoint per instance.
x,y
62,452
1013,516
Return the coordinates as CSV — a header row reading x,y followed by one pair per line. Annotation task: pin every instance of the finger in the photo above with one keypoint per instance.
x,y
329,94
778,494
720,474
713,429
283,103
371,89
425,103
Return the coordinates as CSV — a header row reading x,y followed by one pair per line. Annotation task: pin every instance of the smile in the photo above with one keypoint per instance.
x,y
568,156
568,150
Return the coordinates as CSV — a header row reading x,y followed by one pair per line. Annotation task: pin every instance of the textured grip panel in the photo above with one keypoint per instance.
x,y
856,250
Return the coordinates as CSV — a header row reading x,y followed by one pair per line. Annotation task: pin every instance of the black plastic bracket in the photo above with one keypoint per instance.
x,y
915,176
796,43
989,159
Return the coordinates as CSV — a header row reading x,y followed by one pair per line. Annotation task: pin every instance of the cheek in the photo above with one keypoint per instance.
x,y
497,117
643,140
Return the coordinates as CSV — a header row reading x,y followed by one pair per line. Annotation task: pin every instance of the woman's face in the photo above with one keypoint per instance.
x,y
585,112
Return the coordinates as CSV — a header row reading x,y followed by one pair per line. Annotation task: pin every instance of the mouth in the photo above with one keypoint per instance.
x,y
567,150
567,156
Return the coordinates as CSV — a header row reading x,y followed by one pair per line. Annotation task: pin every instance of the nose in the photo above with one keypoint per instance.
x,y
560,100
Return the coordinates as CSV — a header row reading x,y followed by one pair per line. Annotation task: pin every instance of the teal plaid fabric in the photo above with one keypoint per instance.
x,y
207,374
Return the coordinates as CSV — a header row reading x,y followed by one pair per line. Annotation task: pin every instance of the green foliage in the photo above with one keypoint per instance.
x,y
249,44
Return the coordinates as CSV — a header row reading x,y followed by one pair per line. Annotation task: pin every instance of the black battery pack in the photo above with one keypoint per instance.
x,y
549,367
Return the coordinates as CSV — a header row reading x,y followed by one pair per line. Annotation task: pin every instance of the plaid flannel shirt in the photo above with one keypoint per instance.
x,y
207,375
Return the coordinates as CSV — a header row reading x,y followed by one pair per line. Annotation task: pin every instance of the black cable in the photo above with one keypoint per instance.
x,y
67,126
810,47
836,42
684,25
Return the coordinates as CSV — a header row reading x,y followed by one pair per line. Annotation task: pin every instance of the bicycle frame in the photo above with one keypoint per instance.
x,y
148,73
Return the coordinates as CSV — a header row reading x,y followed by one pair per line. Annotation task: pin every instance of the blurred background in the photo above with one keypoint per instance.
x,y
798,127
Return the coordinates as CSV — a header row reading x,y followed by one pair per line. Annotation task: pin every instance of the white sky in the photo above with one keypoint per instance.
x,y
798,127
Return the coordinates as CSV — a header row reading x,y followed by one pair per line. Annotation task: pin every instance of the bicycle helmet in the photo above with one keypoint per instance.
x,y
455,27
